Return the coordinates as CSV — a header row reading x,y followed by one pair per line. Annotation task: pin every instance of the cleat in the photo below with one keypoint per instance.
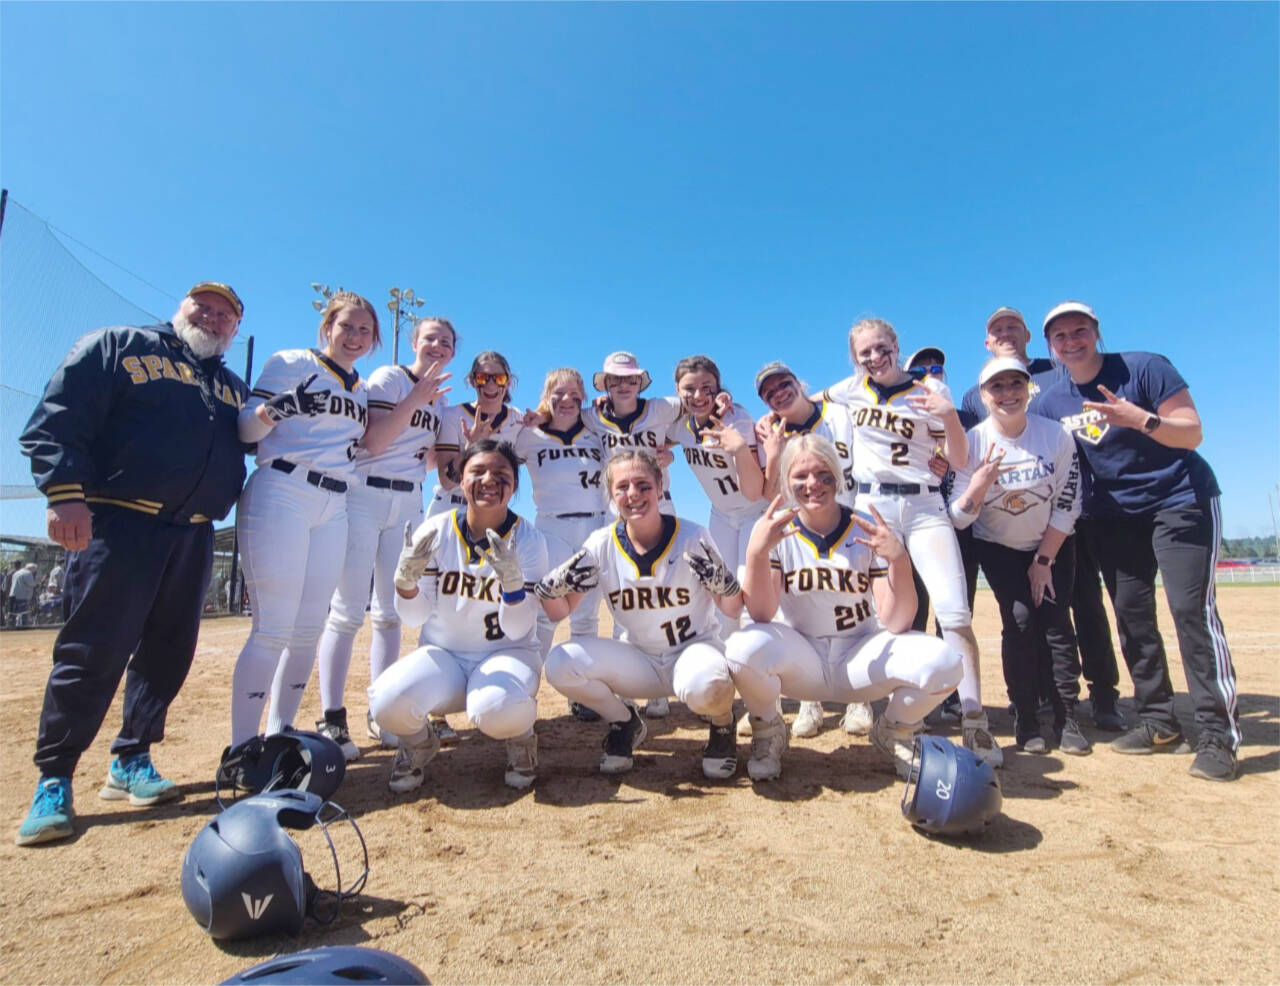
x,y
809,722
857,719
51,813
897,742
136,778
1214,760
447,735
408,769
582,713
1147,738
620,743
1027,737
1071,740
978,739
720,755
522,761
386,740
334,726
657,708
768,741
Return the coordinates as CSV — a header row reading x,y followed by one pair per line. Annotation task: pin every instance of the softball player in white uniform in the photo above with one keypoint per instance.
x,y
385,494
565,462
898,422
663,582
629,421
308,412
489,416
466,577
791,414
831,595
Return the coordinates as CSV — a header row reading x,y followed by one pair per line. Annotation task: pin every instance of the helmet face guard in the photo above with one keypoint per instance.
x,y
242,876
950,790
292,759
338,964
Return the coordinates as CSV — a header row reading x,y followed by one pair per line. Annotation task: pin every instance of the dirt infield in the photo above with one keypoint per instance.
x,y
1105,869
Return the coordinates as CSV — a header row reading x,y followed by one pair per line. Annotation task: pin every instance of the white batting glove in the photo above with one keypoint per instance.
x,y
572,576
415,557
501,556
709,569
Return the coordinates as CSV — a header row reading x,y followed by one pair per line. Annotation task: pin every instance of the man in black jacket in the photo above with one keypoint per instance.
x,y
134,445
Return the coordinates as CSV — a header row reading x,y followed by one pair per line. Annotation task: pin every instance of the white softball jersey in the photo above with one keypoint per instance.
x,y
716,469
645,428
326,441
566,469
657,603
1038,487
832,421
892,442
406,457
458,598
826,581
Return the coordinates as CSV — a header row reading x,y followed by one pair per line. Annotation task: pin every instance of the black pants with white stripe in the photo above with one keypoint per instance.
x,y
1183,545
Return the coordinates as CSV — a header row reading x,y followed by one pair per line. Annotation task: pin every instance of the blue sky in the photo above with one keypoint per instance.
x,y
740,180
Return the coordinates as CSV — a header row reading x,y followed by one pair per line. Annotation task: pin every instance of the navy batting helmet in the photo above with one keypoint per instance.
x,y
950,790
292,759
242,875
338,964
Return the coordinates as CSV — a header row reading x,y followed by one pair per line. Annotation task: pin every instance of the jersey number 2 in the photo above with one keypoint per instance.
x,y
899,453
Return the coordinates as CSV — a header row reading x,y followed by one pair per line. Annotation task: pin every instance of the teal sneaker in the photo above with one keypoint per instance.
x,y
50,817
137,779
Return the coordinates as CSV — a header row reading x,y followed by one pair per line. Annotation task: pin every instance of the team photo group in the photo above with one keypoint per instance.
x,y
835,520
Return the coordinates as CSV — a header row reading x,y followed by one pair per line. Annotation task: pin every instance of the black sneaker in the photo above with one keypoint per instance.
x,y
1026,734
334,726
1214,760
620,743
1106,716
720,755
1146,738
582,713
1071,740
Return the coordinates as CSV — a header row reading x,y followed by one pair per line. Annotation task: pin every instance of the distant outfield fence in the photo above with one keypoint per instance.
x,y
1249,573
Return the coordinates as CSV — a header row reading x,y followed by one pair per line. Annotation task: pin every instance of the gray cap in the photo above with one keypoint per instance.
x,y
773,369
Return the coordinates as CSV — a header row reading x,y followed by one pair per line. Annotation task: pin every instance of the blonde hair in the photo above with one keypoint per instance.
x,y
818,445
643,457
863,324
347,299
564,373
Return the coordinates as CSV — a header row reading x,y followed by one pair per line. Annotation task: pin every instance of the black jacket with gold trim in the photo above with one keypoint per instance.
x,y
133,419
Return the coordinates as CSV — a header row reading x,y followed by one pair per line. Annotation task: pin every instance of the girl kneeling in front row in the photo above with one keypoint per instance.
x,y
663,581
831,608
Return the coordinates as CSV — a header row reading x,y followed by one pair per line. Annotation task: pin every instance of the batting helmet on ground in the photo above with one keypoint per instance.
x,y
338,964
950,790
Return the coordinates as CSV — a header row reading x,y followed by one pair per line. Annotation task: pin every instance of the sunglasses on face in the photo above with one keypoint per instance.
x,y
929,369
484,379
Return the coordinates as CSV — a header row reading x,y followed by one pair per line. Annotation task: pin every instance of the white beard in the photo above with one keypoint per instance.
x,y
203,344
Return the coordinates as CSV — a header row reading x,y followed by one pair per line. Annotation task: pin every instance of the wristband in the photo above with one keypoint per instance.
x,y
511,598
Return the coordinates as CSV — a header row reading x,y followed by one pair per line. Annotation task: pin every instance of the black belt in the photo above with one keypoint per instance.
x,y
399,485
312,477
575,516
896,489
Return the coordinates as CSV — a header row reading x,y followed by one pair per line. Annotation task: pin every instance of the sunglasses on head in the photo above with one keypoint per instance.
x,y
484,379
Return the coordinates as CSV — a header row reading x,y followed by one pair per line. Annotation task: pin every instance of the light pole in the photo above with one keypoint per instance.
x,y
402,305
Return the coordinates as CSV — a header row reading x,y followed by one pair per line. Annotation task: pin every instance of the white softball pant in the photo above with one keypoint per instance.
x,y
565,535
498,690
768,660
594,672
922,521
375,535
731,532
292,539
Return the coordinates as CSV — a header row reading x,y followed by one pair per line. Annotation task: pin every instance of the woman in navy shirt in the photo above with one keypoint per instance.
x,y
1154,503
